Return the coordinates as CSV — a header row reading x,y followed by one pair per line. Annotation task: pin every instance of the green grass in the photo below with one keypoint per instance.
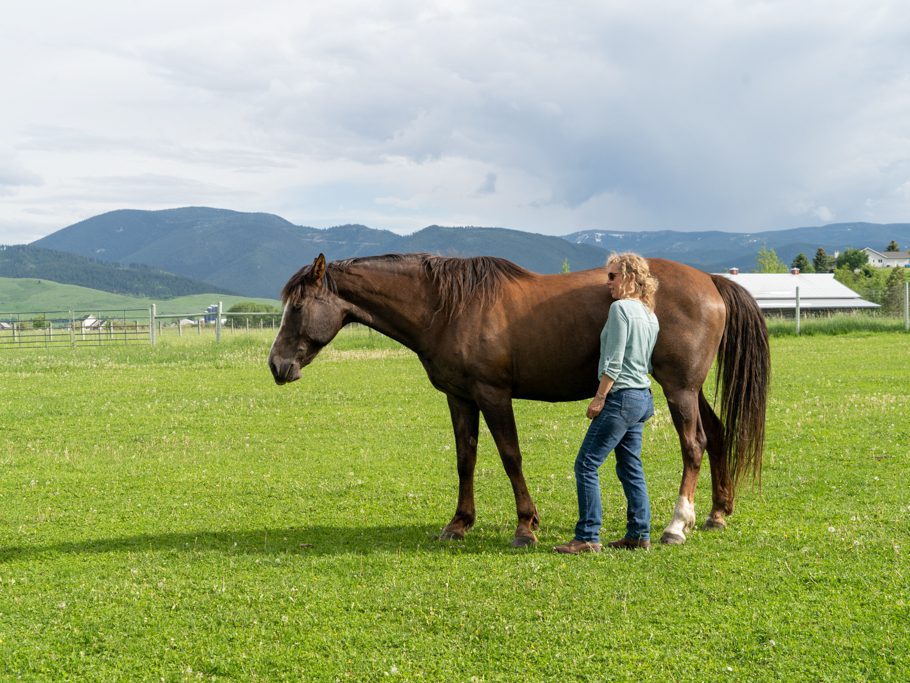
x,y
26,295
838,323
169,513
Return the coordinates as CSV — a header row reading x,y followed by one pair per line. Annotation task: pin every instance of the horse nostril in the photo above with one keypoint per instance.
x,y
278,373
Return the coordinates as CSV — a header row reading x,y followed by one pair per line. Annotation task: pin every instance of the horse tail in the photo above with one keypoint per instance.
x,y
744,371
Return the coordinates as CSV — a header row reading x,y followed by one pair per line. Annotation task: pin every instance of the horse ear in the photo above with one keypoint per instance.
x,y
318,269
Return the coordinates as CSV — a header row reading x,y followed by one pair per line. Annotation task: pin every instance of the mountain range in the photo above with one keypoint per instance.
x,y
255,253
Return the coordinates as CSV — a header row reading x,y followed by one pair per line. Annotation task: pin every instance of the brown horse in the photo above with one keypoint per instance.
x,y
488,331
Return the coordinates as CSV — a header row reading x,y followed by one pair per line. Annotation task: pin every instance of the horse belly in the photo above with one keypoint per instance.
x,y
564,375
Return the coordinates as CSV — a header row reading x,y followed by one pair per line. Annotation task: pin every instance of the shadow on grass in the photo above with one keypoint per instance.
x,y
316,540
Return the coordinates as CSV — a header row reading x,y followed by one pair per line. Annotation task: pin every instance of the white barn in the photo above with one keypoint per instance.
x,y
817,292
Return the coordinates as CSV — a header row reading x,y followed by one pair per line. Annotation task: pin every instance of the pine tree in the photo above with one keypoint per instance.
x,y
802,262
822,263
892,246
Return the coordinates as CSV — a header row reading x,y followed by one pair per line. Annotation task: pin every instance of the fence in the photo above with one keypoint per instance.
x,y
213,320
123,326
69,328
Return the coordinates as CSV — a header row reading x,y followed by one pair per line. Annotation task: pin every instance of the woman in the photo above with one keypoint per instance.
x,y
620,408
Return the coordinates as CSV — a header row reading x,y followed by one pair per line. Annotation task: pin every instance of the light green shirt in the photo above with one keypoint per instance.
x,y
626,344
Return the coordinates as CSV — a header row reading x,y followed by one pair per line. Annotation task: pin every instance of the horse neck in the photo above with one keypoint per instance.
x,y
394,299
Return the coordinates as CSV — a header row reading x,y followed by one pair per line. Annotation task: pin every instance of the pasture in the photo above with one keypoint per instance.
x,y
169,513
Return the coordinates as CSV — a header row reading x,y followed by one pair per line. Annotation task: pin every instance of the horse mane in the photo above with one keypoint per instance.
x,y
476,279
458,281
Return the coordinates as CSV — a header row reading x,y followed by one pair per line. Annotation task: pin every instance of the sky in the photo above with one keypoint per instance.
x,y
540,116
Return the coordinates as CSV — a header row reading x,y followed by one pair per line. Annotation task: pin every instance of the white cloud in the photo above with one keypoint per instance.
x,y
731,115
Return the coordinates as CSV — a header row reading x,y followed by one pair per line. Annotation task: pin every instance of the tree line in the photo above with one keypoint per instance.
x,y
25,261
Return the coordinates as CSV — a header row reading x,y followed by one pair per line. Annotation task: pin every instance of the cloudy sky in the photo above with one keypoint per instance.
x,y
542,116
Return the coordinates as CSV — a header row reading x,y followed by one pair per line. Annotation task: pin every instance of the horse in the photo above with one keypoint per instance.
x,y
488,331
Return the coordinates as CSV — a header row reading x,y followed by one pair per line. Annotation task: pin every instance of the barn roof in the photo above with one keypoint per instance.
x,y
820,291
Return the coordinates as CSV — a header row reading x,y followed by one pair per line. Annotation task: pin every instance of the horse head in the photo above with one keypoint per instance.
x,y
313,315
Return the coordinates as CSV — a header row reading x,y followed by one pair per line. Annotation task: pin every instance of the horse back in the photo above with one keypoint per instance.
x,y
551,326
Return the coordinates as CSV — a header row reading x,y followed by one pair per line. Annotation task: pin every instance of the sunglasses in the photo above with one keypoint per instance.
x,y
612,276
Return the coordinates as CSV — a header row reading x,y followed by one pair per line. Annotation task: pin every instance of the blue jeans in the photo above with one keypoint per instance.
x,y
619,426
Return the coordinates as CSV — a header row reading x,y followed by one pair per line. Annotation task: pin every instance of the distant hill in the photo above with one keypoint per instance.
x,y
23,261
717,251
255,253
29,295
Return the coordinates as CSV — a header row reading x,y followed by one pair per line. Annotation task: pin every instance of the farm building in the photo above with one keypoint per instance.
x,y
90,322
817,291
888,259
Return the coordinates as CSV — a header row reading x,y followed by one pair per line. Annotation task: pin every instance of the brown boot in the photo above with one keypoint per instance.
x,y
576,547
630,544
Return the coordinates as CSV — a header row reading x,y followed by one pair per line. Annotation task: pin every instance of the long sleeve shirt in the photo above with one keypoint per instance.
x,y
626,344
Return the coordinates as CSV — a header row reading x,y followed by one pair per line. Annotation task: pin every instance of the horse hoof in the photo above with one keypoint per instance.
x,y
524,541
451,535
672,539
714,524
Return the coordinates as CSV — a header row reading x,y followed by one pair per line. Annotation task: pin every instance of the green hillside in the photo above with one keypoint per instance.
x,y
26,261
29,295
251,253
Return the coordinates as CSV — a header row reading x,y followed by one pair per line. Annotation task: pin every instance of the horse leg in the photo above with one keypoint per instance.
x,y
497,411
683,405
722,490
465,422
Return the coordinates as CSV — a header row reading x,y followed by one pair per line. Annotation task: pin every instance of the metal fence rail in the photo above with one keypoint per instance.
x,y
46,329
75,327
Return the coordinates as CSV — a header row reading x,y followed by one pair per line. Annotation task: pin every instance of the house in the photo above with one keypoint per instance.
x,y
90,322
887,259
817,291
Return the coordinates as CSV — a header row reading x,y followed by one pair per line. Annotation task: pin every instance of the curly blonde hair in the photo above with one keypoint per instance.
x,y
636,280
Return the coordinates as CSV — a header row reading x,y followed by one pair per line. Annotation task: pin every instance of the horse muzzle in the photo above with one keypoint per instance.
x,y
285,371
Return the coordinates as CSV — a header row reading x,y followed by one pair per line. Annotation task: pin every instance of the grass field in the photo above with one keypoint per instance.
x,y
169,513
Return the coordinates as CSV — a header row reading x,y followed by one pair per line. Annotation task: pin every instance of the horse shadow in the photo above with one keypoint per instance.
x,y
270,542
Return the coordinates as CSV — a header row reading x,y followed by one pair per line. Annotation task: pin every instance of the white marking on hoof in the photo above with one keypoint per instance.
x,y
682,522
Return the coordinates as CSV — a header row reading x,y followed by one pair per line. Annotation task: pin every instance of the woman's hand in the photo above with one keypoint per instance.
x,y
594,408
